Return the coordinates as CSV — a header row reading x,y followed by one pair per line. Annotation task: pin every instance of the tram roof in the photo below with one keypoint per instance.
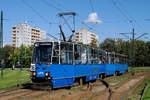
x,y
48,41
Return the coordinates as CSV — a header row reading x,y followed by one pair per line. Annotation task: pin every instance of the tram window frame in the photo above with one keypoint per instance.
x,y
102,57
89,51
110,58
95,56
56,47
84,55
92,55
117,59
66,53
77,54
55,56
121,60
126,59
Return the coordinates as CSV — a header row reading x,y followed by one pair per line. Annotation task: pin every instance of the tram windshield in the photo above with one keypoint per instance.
x,y
42,53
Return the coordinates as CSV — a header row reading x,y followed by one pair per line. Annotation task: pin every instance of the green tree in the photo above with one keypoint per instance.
x,y
22,55
94,43
7,52
108,45
141,50
147,57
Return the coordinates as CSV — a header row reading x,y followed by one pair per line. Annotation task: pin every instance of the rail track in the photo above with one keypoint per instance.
x,y
28,91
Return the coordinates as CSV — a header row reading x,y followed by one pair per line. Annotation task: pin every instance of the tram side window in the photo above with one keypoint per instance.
x,y
104,59
96,56
83,55
89,55
92,54
110,59
77,54
101,57
116,60
126,61
55,58
121,60
66,56
113,58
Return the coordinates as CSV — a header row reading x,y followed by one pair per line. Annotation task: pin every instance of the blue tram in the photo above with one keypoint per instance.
x,y
63,63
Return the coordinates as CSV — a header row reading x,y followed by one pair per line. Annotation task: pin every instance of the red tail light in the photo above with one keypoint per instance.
x,y
31,73
49,74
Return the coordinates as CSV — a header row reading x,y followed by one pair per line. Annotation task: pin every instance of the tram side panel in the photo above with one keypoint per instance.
x,y
126,67
119,68
64,75
122,68
89,72
60,75
110,69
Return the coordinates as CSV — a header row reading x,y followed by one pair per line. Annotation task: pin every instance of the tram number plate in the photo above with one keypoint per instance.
x,y
40,73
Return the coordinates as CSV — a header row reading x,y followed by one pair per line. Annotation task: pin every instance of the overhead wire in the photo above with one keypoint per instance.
x,y
51,5
137,24
125,14
92,7
58,9
35,11
67,23
93,10
133,21
60,5
119,9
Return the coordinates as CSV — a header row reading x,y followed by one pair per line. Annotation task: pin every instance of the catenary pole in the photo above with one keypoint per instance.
x,y
132,52
1,43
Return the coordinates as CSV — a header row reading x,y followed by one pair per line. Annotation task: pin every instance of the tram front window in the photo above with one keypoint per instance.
x,y
42,54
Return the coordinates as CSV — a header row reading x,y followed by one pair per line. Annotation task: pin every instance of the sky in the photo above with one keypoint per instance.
x,y
115,16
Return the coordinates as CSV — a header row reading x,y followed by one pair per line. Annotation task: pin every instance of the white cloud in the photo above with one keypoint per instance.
x,y
93,18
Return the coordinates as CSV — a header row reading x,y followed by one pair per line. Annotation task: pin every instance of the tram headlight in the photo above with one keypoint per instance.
x,y
36,44
46,74
34,73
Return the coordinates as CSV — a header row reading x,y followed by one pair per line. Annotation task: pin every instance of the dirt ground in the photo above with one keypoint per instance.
x,y
116,91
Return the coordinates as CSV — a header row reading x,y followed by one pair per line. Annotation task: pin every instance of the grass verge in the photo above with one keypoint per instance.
x,y
137,93
146,95
118,79
12,78
138,68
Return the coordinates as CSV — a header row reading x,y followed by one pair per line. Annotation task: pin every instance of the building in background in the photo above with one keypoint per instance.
x,y
24,34
86,37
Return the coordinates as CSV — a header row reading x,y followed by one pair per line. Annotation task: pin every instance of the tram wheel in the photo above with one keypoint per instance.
x,y
116,73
